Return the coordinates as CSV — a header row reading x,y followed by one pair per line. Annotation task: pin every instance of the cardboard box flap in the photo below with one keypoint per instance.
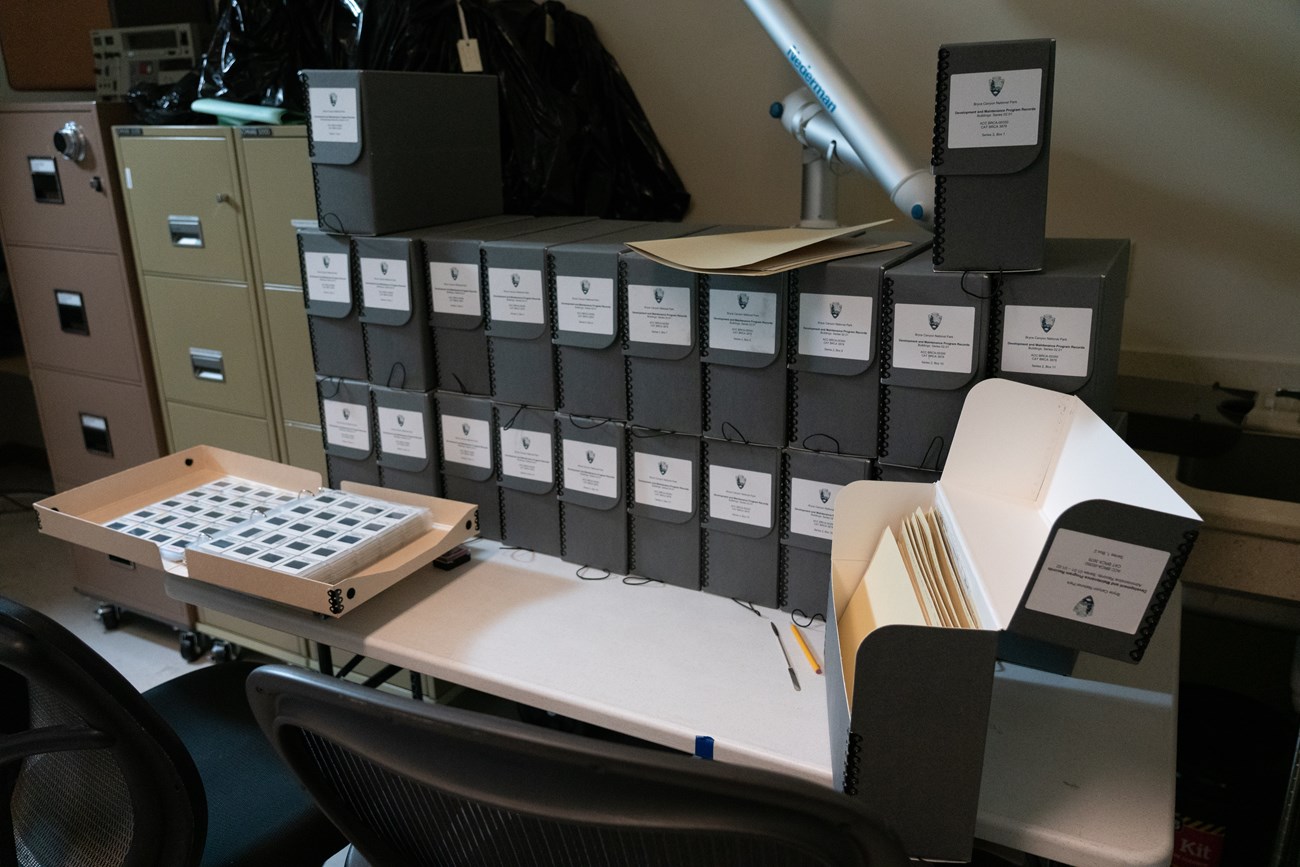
x,y
526,443
665,476
465,436
1021,458
592,458
404,420
743,489
345,417
1027,350
1006,64
746,320
811,484
334,116
326,262
388,279
661,317
78,515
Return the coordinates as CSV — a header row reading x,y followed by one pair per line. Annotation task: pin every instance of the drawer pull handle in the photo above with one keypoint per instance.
x,y
185,231
208,364
94,433
72,311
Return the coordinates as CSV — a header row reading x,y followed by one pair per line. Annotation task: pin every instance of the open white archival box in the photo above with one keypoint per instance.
x,y
83,515
1063,539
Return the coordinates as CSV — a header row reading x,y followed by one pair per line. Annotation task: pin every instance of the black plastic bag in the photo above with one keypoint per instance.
x,y
258,46
416,36
162,104
615,162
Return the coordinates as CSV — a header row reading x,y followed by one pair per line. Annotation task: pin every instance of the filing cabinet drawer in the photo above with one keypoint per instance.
x,y
128,584
281,645
279,190
185,203
295,377
306,449
46,199
93,427
196,426
206,344
74,311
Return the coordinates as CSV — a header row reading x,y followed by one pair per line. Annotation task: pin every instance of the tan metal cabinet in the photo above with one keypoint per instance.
x,y
295,377
212,212
93,427
206,344
184,199
276,172
67,248
47,200
279,196
196,426
306,448
76,312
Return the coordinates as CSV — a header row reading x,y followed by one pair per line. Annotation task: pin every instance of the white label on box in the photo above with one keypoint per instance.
x,y
586,304
743,496
835,326
347,424
1050,340
663,482
659,314
385,284
812,507
42,166
934,337
591,469
455,288
742,321
526,454
467,441
401,432
515,295
333,114
994,109
1098,581
327,277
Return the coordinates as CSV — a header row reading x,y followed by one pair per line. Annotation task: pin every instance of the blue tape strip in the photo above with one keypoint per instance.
x,y
703,747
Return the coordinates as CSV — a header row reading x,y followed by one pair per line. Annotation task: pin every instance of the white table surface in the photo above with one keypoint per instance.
x,y
1079,770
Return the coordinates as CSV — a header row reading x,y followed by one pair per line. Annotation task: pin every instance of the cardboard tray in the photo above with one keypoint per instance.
x,y
77,516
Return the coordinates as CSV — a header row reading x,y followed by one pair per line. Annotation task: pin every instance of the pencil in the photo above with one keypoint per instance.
x,y
807,651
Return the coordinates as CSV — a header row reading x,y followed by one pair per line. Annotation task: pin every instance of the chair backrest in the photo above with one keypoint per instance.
x,y
92,775
412,784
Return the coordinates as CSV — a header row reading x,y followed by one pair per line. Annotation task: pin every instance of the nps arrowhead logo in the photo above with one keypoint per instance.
x,y
455,273
936,319
334,99
743,300
585,286
401,420
659,295
663,468
383,268
591,456
836,309
514,279
825,495
741,481
1047,320
464,430
996,83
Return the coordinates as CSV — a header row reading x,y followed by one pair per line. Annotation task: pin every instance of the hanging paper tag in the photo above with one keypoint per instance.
x,y
469,57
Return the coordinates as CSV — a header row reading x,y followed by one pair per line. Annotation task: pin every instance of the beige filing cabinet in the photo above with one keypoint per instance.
x,y
212,212
275,172
69,260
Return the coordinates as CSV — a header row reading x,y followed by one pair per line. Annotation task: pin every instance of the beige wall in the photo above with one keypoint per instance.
x,y
1176,124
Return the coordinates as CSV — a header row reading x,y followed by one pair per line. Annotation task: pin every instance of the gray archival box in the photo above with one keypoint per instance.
x,y
392,151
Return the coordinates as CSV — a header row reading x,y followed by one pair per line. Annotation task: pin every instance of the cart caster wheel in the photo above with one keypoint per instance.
x,y
193,645
109,615
224,651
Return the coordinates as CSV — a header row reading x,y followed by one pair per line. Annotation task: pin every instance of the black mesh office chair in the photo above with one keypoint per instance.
x,y
93,774
417,784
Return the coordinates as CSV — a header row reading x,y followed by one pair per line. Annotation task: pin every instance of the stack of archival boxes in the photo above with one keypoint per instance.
x,y
629,416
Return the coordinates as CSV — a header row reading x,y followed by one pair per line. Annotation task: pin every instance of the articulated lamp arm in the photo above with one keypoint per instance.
x,y
835,117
